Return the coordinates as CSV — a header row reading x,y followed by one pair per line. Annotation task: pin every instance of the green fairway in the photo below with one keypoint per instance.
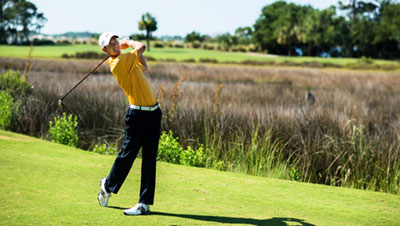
x,y
172,53
43,183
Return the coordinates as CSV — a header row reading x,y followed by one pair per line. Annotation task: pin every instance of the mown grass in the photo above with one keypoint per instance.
x,y
50,184
178,54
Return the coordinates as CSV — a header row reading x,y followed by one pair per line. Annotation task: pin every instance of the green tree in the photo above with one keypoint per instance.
x,y
387,32
194,36
372,26
343,37
280,27
391,22
18,19
292,26
264,33
363,37
12,22
227,40
356,8
31,19
139,36
367,28
3,22
149,24
360,15
244,35
319,31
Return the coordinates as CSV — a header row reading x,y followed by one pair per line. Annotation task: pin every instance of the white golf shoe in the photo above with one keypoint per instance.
x,y
138,209
103,196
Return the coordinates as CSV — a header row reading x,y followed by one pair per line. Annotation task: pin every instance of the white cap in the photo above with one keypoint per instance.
x,y
105,38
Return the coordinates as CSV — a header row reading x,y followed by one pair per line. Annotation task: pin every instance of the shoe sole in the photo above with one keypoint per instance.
x,y
145,213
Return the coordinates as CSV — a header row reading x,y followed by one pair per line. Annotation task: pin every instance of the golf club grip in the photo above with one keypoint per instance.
x,y
90,72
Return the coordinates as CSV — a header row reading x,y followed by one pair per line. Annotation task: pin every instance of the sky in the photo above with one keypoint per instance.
x,y
174,17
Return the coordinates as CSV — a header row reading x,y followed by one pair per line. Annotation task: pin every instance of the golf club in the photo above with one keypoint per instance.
x,y
60,101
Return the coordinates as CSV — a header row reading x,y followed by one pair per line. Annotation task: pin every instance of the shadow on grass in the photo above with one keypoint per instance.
x,y
118,208
278,221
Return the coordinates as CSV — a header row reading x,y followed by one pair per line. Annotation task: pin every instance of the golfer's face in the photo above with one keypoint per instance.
x,y
113,47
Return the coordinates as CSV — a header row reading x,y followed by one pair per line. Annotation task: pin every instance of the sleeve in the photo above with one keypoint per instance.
x,y
140,66
136,58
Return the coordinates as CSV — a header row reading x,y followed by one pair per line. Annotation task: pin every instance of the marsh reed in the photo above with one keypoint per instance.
x,y
253,120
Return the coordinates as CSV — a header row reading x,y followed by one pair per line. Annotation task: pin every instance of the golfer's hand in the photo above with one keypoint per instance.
x,y
140,47
124,44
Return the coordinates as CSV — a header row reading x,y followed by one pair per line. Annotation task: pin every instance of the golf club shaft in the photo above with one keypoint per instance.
x,y
84,78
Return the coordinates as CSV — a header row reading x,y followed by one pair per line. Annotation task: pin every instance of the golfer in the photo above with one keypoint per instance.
x,y
143,122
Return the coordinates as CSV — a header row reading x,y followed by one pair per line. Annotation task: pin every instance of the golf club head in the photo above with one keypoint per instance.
x,y
61,103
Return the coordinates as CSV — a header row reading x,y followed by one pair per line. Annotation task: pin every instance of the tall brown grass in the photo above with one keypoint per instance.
x,y
258,122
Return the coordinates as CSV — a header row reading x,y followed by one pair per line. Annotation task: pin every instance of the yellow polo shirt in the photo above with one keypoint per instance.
x,y
127,70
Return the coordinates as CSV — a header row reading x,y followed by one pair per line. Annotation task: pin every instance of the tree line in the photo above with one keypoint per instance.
x,y
364,28
353,29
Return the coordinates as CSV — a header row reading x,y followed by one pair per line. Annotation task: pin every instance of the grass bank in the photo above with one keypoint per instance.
x,y
49,184
198,55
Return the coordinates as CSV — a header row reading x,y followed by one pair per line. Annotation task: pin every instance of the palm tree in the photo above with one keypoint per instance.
x,y
149,24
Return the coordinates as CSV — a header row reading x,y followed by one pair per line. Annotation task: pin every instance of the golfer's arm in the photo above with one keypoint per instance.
x,y
143,62
140,47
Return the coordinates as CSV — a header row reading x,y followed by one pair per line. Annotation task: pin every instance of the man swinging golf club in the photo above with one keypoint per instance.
x,y
143,122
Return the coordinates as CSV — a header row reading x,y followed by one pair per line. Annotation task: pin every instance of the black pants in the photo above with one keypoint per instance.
x,y
142,130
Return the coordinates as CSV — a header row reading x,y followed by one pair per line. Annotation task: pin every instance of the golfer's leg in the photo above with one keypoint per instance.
x,y
125,158
149,153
